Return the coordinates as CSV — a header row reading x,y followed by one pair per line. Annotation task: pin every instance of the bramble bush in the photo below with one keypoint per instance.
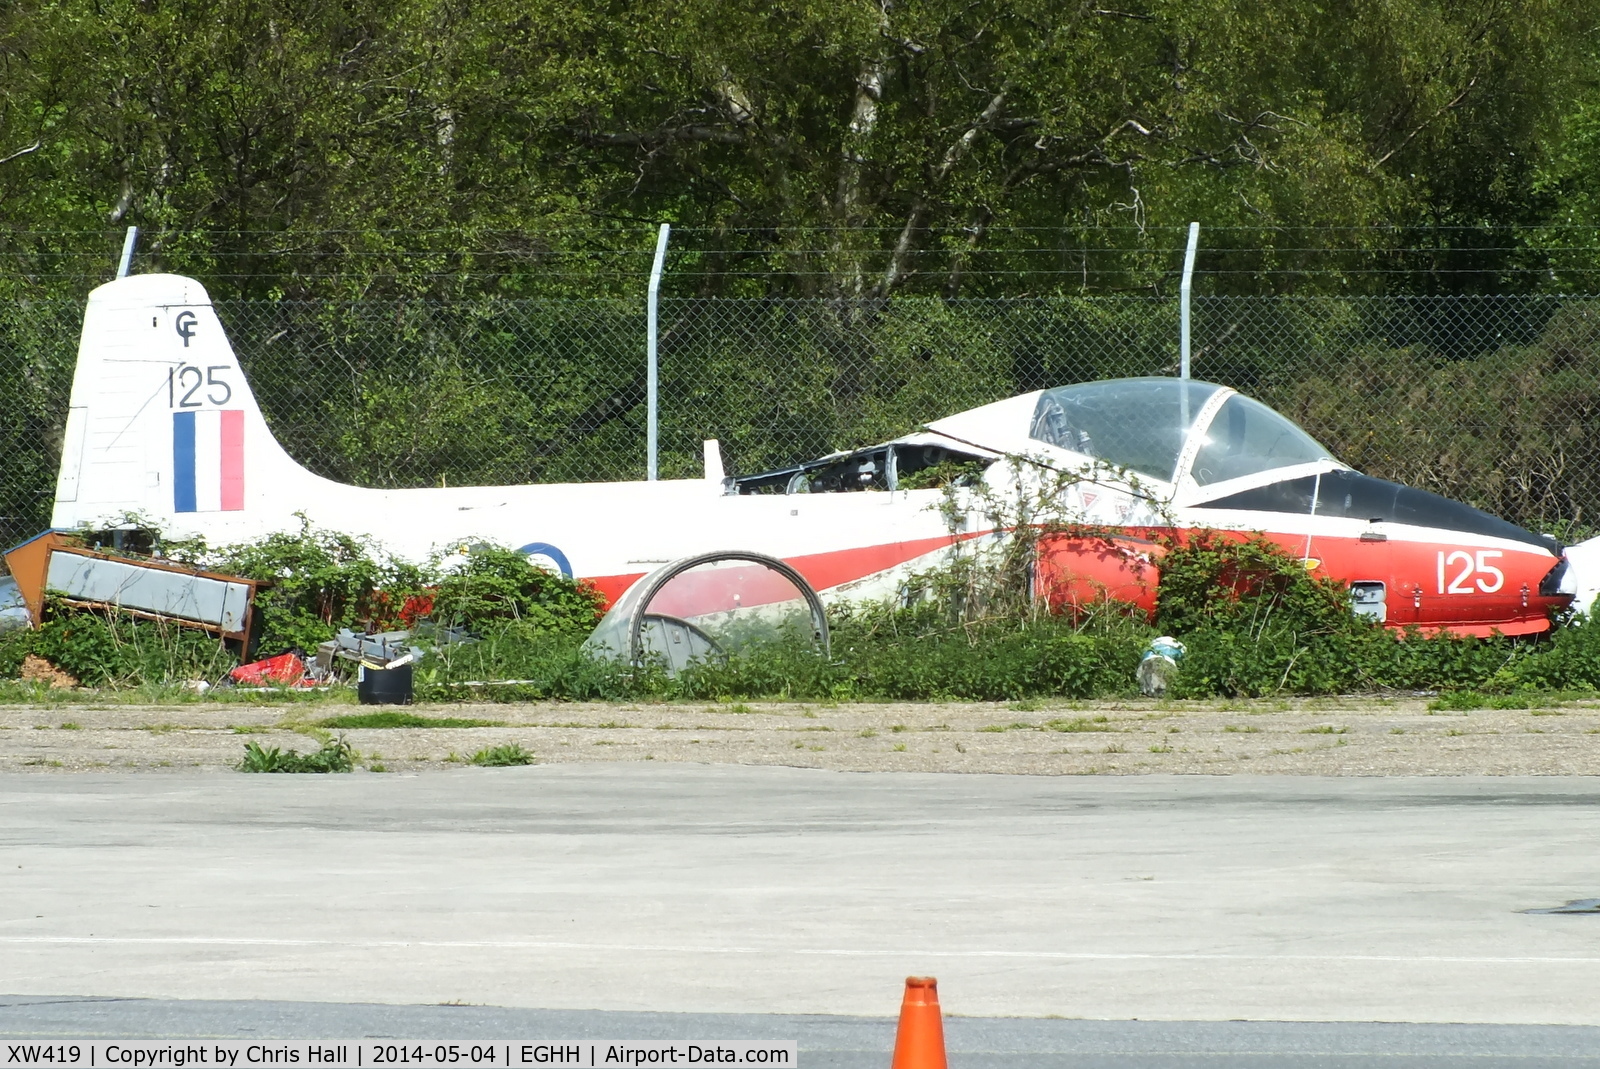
x,y
1253,620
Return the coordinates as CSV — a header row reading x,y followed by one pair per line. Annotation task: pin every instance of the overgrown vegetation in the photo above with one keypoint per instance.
x,y
336,755
1254,622
502,756
319,581
115,650
323,581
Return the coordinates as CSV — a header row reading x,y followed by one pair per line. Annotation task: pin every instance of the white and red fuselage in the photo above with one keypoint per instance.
x,y
164,430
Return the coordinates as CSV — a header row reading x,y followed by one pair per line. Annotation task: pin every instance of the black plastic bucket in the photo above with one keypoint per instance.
x,y
384,686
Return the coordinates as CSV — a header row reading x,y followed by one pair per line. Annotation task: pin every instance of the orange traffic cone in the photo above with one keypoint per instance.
x,y
919,1042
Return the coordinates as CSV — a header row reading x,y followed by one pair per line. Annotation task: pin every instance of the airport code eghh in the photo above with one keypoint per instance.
x,y
499,1054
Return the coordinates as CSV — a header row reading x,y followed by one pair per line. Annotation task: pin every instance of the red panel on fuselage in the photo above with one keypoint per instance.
x,y
1077,572
821,570
1479,591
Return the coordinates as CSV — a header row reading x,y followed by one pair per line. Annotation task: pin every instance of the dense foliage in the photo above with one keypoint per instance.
x,y
286,147
316,582
1253,620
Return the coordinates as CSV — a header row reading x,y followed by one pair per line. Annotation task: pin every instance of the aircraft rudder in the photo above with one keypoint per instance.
x,y
163,422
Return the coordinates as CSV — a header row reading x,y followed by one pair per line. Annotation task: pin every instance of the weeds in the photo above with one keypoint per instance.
x,y
113,649
1079,723
1255,624
334,756
502,756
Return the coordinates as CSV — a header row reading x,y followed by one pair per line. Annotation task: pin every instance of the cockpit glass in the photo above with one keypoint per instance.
x,y
1247,437
1139,424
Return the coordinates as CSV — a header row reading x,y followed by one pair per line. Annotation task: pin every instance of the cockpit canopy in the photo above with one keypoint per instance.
x,y
1159,426
1188,435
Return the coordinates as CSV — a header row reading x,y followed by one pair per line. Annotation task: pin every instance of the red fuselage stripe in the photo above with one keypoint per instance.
x,y
1513,607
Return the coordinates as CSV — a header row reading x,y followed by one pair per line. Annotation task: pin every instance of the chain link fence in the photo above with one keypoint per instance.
x,y
1490,400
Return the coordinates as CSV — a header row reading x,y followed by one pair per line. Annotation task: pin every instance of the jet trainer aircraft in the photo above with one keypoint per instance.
x,y
163,425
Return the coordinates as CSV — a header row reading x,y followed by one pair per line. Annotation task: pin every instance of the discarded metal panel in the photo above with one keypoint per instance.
x,y
57,563
221,604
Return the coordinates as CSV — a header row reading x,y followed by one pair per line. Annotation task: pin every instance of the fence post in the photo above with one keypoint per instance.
x,y
653,427
129,239
1183,300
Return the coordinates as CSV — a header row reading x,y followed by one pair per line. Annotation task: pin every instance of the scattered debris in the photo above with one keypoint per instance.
x,y
58,562
387,649
14,613
284,670
36,669
1158,665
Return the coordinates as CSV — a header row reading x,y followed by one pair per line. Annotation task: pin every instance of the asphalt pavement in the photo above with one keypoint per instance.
x,y
840,1042
1089,920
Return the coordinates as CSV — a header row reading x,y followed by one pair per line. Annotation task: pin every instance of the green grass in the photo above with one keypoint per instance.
x,y
17,692
502,756
404,720
1079,723
1466,700
334,756
1544,700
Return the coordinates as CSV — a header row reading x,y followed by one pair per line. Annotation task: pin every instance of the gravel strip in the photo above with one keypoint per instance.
x,y
1340,736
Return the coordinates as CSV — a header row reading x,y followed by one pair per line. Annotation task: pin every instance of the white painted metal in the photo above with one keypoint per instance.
x,y
129,240
187,597
1183,299
652,376
120,463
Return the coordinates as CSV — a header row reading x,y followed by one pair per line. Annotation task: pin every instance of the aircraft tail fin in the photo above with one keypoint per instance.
x,y
163,424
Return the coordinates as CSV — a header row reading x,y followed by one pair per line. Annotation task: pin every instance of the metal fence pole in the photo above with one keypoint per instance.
x,y
652,378
129,240
1183,300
